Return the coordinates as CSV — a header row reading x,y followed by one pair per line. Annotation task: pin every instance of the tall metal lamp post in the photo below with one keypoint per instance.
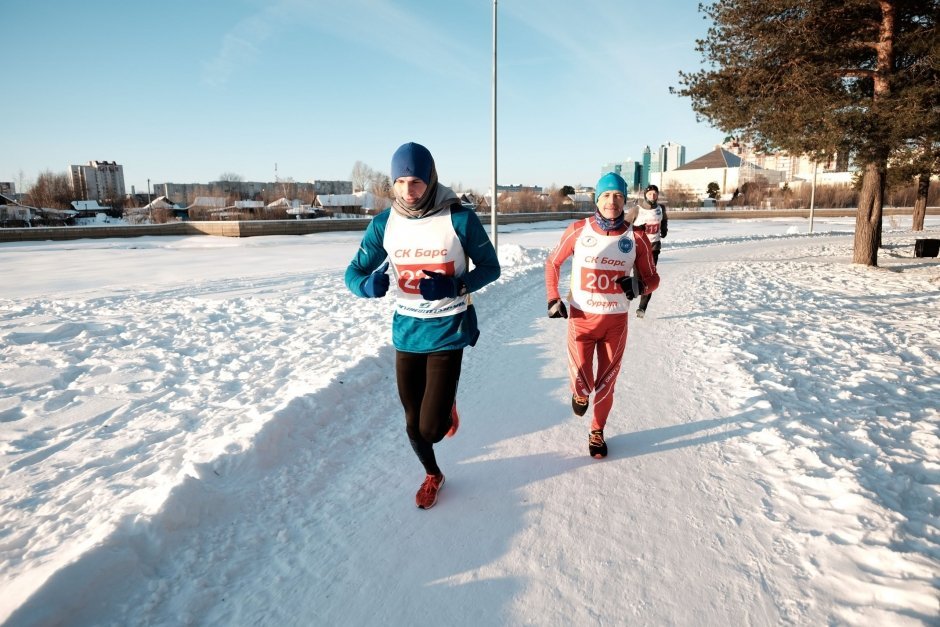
x,y
495,194
149,202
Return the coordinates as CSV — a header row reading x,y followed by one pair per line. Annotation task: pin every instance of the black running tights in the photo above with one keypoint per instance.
x,y
427,386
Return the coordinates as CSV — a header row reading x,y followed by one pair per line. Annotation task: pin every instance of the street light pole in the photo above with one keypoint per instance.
x,y
149,202
495,194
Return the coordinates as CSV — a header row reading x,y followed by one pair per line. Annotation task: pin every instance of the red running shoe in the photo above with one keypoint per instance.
x,y
427,493
454,422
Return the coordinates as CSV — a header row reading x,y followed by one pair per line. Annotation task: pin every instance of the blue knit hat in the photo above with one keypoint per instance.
x,y
610,182
412,159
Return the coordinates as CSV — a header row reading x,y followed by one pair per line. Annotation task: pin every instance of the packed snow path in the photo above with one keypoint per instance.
x,y
231,451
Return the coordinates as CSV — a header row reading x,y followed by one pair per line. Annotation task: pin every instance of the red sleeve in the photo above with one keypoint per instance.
x,y
557,257
644,266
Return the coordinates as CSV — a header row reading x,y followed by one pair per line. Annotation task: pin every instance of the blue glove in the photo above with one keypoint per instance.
x,y
437,286
376,284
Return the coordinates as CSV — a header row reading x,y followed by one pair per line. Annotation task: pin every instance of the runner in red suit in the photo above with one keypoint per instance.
x,y
612,263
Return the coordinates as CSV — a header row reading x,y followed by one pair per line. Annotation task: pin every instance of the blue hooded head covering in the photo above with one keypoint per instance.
x,y
610,182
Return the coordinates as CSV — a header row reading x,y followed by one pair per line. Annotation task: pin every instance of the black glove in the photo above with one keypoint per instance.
x,y
632,286
437,286
556,309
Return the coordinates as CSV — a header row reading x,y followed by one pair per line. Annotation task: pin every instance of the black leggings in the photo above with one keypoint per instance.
x,y
427,387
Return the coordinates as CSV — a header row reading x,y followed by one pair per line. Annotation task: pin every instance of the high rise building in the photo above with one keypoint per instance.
x,y
639,174
99,180
630,170
671,156
611,167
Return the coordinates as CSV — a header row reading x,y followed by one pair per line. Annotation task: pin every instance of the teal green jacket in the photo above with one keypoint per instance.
x,y
428,335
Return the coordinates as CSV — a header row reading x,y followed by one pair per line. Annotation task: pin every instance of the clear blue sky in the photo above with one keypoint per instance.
x,y
182,91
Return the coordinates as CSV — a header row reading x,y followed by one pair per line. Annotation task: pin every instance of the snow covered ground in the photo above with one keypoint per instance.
x,y
205,431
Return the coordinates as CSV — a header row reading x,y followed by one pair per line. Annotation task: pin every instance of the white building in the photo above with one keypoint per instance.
x,y
719,166
340,204
833,170
99,180
671,157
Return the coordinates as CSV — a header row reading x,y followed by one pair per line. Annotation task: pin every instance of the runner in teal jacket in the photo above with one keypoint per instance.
x,y
428,240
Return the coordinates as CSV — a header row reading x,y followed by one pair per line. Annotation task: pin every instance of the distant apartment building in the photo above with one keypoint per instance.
x,y
8,189
639,174
516,189
654,171
184,193
647,160
793,167
671,156
630,170
99,180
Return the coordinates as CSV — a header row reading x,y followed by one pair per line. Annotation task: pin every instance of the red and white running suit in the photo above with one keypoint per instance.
x,y
597,321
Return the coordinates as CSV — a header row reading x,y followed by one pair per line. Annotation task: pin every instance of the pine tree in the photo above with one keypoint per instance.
x,y
824,76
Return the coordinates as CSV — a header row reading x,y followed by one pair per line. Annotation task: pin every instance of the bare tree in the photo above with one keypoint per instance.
x,y
231,177
360,176
307,195
52,190
379,184
680,195
162,215
287,188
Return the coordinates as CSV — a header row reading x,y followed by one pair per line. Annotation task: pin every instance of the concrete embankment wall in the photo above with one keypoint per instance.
x,y
250,228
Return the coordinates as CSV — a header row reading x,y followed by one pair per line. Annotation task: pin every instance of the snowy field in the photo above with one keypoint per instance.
x,y
206,431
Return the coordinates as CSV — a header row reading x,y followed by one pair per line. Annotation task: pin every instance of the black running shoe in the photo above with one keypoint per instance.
x,y
597,447
579,404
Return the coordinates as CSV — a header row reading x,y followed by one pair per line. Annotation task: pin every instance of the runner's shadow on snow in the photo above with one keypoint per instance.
x,y
487,504
460,559
511,379
678,436
857,391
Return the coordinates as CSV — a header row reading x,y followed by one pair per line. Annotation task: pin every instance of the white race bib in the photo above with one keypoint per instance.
x,y
598,261
415,245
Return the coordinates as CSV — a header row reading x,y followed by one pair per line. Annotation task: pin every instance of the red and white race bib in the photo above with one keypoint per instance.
x,y
598,261
424,244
